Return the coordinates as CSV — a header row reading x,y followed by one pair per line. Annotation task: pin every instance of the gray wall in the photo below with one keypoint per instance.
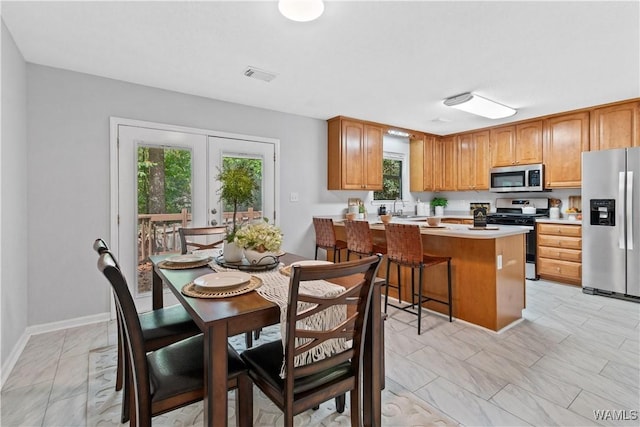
x,y
13,203
68,194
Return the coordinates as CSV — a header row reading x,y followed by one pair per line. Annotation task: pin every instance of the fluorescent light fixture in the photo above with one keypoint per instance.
x,y
397,133
301,10
480,106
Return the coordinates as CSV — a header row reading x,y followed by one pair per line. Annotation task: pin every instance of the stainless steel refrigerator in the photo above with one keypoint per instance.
x,y
611,223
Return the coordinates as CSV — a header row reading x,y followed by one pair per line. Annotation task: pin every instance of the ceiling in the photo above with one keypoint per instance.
x,y
389,62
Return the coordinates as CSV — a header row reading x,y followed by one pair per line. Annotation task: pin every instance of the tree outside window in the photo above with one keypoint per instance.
x,y
391,180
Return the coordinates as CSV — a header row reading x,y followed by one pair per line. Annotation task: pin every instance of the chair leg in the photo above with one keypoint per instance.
x,y
419,300
341,403
386,288
248,339
121,356
449,288
316,257
127,395
355,405
256,334
413,288
399,284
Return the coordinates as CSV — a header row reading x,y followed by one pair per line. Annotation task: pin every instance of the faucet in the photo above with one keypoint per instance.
x,y
394,206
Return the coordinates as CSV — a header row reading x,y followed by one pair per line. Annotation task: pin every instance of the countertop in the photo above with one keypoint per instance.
x,y
451,230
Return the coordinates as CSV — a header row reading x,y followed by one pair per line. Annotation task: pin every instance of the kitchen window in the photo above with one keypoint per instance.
x,y
392,177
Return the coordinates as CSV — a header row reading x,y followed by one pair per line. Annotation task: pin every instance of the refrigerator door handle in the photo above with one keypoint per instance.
x,y
619,212
629,210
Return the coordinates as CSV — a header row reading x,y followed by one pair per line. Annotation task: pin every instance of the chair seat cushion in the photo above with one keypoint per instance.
x,y
178,368
266,361
166,322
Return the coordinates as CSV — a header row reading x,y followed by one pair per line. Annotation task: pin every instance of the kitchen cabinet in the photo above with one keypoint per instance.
x,y
559,252
421,163
615,126
565,138
445,164
457,221
519,144
355,155
473,162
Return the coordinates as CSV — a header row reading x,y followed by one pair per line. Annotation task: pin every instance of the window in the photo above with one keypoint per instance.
x,y
391,178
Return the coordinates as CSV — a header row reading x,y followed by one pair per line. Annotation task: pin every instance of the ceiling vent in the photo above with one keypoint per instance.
x,y
256,73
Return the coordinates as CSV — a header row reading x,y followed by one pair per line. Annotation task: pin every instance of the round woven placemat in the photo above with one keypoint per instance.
x,y
286,270
183,265
191,290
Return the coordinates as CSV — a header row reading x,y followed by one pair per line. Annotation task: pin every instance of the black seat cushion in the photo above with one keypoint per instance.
x,y
266,360
178,368
165,322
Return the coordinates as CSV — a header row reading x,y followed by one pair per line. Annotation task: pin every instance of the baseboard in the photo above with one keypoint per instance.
x,y
11,361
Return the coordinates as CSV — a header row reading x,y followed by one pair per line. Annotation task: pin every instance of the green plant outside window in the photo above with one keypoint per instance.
x,y
391,180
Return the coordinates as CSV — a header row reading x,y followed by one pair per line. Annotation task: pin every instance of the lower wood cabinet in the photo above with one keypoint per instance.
x,y
457,221
559,252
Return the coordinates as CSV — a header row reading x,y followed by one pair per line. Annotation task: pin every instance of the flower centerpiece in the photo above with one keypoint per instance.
x,y
260,240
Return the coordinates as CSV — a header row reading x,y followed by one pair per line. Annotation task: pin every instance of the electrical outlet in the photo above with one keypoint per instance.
x,y
294,197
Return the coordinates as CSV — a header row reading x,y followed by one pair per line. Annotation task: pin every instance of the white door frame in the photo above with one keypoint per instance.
x,y
114,122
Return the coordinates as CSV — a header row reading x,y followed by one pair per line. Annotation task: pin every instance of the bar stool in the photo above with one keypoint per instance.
x,y
360,241
404,248
326,237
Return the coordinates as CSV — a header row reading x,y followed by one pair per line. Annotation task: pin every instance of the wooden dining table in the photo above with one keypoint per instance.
x,y
221,318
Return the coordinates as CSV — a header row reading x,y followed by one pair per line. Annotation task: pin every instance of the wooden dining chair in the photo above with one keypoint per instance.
x,y
307,386
173,376
326,237
404,248
360,239
159,328
187,233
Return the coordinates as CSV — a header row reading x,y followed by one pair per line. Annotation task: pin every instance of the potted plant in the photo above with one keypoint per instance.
x,y
260,240
439,203
237,185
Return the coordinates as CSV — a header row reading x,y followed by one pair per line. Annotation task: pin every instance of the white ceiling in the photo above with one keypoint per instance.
x,y
390,62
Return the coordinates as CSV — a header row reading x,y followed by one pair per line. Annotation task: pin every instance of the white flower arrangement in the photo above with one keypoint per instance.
x,y
260,236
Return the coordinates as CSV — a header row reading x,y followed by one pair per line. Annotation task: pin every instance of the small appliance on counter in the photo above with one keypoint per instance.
x,y
422,209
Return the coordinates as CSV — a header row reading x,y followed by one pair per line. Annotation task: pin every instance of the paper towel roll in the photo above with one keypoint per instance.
x,y
421,209
554,213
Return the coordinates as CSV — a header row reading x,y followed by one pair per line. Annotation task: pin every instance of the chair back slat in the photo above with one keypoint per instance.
x,y
325,234
359,238
361,275
185,244
404,243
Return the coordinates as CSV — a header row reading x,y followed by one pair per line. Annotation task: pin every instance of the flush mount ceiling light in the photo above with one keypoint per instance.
x,y
301,10
480,106
397,133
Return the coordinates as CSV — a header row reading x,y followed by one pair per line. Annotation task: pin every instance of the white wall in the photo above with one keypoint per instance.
x,y
68,194
13,202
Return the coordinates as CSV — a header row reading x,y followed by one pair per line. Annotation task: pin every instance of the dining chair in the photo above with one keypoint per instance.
x,y
326,237
186,233
159,328
172,376
404,248
307,386
360,239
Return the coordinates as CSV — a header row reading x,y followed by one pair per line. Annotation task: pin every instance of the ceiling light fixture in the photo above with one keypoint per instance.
x,y
397,133
480,106
301,10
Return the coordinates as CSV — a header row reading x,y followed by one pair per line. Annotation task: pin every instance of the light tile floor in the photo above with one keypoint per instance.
x,y
572,354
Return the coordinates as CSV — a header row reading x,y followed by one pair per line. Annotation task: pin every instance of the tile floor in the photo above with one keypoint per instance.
x,y
573,354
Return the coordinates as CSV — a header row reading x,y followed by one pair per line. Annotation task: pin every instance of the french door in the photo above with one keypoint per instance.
x,y
166,180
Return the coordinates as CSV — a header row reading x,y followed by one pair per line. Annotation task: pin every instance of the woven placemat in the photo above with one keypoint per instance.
x,y
191,290
286,270
183,265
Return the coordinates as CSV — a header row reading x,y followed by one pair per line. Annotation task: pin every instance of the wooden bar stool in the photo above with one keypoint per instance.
x,y
360,241
404,248
326,237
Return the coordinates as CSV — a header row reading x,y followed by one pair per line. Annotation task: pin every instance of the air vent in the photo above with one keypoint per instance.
x,y
256,73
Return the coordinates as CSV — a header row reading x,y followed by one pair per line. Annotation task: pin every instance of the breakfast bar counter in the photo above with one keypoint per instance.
x,y
487,268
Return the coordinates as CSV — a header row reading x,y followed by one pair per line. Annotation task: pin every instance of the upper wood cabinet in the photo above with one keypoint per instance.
x,y
421,163
473,161
355,155
445,164
516,144
616,126
565,138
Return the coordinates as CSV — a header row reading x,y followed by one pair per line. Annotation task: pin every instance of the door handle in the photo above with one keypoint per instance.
x,y
214,222
620,212
629,210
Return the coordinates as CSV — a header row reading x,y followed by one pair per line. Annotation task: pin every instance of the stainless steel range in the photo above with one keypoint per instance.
x,y
512,212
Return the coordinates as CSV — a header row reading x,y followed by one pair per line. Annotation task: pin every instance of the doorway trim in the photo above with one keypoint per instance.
x,y
114,122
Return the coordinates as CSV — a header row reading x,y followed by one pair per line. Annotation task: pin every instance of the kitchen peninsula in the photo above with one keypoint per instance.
x,y
487,270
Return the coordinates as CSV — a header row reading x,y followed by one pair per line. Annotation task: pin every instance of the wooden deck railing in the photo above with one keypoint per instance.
x,y
158,233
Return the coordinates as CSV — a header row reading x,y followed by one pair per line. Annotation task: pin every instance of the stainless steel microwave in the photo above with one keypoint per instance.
x,y
517,178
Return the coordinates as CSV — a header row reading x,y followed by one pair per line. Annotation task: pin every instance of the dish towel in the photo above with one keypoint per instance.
x,y
275,288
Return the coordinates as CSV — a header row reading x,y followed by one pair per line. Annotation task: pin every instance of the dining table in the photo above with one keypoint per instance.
x,y
221,318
